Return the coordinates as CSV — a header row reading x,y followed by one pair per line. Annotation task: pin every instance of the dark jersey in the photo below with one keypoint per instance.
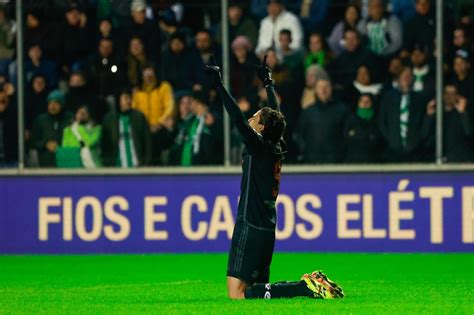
x,y
262,161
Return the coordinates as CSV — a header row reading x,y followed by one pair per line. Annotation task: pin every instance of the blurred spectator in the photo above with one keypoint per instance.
x,y
35,100
8,132
107,31
7,39
239,25
74,39
126,140
424,75
344,68
278,18
291,58
463,10
144,29
404,9
311,13
317,52
383,30
403,120
242,73
363,139
48,129
155,100
40,30
457,127
136,61
362,85
199,140
176,65
258,8
462,76
79,93
320,130
461,41
313,74
85,135
117,10
201,54
394,67
35,64
421,28
351,18
106,73
169,25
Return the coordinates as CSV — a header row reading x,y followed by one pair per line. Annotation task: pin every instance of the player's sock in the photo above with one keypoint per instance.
x,y
278,290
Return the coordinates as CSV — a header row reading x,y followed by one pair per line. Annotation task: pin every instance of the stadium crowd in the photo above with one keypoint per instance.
x,y
121,82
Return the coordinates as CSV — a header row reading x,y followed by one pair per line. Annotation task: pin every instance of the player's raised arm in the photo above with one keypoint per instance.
x,y
264,73
236,116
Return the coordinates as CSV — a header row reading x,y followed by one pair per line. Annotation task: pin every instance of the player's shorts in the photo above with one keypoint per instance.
x,y
250,254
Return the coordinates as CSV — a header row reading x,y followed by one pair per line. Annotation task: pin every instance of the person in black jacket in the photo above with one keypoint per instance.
x,y
48,129
320,130
403,121
363,139
8,132
199,140
457,127
126,140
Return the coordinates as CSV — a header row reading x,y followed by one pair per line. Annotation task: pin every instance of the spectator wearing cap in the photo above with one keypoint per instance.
x,y
363,85
462,76
155,99
126,140
362,137
48,129
8,132
242,74
403,121
343,69
7,39
457,127
199,140
74,39
239,25
383,30
144,29
421,28
176,65
278,19
106,72
350,21
36,64
423,73
320,130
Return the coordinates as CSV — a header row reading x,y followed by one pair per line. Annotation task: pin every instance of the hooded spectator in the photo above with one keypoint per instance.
x,y
48,129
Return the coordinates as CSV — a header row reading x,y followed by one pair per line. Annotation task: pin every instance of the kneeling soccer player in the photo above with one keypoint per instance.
x,y
253,240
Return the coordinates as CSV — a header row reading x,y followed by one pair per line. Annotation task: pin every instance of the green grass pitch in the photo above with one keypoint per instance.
x,y
374,284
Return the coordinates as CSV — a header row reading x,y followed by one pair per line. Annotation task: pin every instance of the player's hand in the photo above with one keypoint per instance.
x,y
264,73
213,70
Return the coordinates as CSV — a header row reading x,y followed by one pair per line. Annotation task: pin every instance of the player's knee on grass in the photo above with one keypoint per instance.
x,y
236,288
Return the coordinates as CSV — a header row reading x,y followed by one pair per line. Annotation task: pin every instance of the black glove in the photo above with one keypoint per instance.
x,y
264,73
214,72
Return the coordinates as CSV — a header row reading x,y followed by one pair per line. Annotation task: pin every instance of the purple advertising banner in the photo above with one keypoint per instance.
x,y
405,212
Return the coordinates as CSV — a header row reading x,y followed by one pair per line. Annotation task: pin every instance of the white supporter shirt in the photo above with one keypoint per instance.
x,y
269,32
